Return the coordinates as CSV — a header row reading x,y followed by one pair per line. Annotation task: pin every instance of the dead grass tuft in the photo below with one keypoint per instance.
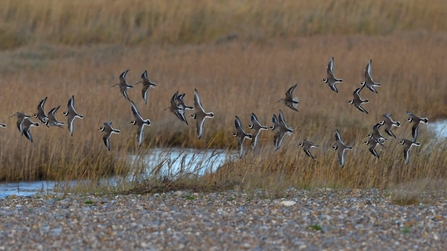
x,y
425,190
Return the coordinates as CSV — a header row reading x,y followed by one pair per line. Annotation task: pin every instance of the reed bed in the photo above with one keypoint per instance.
x,y
235,78
235,75
140,22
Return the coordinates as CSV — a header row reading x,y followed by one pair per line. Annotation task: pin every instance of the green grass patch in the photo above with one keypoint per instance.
x,y
405,230
315,227
189,197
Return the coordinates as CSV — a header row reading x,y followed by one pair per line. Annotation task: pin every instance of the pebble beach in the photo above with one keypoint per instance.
x,y
322,219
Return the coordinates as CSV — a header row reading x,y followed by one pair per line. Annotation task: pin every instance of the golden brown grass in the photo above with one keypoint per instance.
x,y
141,22
234,77
427,190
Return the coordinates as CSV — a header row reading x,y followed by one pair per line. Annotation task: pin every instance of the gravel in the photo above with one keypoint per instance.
x,y
322,219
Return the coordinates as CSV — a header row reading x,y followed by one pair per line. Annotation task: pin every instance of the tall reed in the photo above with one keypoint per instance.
x,y
235,78
241,56
140,22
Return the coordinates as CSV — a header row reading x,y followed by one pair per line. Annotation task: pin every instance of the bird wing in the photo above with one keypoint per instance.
x,y
289,92
330,67
198,101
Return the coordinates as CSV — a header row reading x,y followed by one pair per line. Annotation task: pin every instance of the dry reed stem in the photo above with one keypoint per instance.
x,y
234,77
140,22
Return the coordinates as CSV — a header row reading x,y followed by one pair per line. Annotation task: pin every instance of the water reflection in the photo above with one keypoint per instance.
x,y
26,188
161,162
439,127
179,161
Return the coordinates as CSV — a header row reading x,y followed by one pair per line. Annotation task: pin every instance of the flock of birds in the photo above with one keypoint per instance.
x,y
178,107
24,122
374,139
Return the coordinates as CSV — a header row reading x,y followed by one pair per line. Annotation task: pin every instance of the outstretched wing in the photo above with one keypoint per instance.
x,y
197,101
289,92
135,111
361,109
123,77
368,70
144,92
341,157
28,135
330,67
338,136
199,127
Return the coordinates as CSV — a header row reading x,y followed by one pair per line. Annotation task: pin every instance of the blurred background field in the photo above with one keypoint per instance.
x,y
139,22
241,56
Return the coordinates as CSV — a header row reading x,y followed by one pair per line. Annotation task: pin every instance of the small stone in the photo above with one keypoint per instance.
x,y
410,223
222,221
242,209
56,231
49,202
178,193
288,203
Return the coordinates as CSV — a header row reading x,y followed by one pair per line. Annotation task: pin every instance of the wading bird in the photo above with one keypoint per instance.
x,y
41,112
123,85
358,101
241,135
369,82
407,146
147,83
200,115
139,122
289,100
257,127
307,145
416,121
108,130
389,123
71,114
341,148
331,80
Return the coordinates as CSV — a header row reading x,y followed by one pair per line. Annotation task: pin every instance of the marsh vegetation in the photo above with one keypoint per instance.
x,y
241,56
